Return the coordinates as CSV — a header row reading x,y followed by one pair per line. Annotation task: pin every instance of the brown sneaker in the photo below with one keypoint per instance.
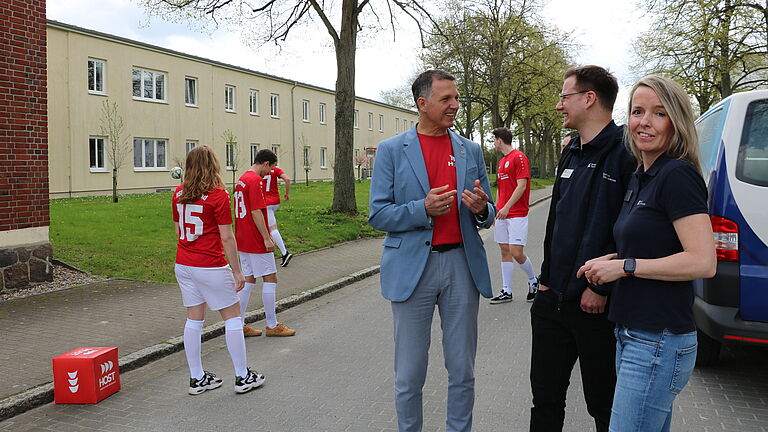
x,y
280,330
249,331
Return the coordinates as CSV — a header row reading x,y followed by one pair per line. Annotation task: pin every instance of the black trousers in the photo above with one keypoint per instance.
x,y
562,333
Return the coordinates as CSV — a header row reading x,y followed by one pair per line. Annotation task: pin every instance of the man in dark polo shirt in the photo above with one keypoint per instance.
x,y
430,192
569,317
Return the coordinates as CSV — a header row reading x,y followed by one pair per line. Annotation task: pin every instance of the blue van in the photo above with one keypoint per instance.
x,y
732,307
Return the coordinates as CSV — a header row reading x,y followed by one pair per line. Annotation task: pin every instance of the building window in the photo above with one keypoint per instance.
x,y
397,124
148,85
322,113
96,76
305,110
276,149
323,157
148,153
96,151
356,119
190,145
274,105
381,123
307,161
230,156
405,125
370,121
190,91
229,98
254,150
411,123
254,102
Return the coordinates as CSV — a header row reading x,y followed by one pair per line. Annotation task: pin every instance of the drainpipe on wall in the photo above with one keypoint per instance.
x,y
293,129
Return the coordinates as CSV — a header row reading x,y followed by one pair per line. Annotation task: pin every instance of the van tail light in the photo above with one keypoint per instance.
x,y
726,234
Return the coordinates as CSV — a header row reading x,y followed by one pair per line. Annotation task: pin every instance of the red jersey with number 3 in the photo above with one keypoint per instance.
x,y
249,197
269,183
513,167
441,170
199,237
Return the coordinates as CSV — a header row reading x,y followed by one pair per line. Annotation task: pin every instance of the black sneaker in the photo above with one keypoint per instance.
x,y
209,381
533,288
286,259
504,297
251,381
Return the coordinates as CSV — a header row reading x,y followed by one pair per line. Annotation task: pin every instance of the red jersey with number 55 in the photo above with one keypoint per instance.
x,y
249,197
199,238
269,184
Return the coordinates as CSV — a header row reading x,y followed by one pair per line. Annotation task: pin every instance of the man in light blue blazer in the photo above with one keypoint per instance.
x,y
430,193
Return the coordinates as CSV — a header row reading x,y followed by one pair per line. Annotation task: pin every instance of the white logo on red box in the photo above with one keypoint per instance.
x,y
107,377
73,379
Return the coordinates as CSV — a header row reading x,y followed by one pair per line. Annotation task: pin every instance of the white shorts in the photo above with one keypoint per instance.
x,y
511,231
257,264
271,209
212,285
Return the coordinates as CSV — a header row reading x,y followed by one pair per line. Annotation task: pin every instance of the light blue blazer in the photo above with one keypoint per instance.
x,y
398,189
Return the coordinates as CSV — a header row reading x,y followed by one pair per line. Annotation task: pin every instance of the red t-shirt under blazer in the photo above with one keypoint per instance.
x,y
269,184
513,167
441,170
199,240
249,197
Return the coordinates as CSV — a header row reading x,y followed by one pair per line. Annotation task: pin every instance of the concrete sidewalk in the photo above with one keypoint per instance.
x,y
144,319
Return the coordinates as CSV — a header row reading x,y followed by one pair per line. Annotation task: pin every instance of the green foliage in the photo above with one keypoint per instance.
x,y
135,238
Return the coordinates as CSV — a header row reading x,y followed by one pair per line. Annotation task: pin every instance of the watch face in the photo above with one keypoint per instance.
x,y
629,265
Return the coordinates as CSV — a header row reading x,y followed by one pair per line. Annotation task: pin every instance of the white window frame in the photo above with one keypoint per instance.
x,y
189,145
190,99
276,150
321,113
397,124
103,73
323,157
405,125
229,98
274,105
381,122
98,167
370,121
356,119
142,82
305,111
253,102
229,156
307,157
156,144
254,150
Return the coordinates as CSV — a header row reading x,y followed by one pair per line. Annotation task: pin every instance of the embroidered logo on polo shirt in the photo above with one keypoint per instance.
x,y
608,177
640,203
591,165
506,165
451,161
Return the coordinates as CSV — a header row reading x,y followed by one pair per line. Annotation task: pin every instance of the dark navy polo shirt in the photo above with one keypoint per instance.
x,y
671,189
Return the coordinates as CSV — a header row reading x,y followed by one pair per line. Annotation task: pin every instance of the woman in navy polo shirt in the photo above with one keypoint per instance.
x,y
664,241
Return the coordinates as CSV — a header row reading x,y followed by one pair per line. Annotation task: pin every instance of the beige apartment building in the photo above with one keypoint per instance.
x,y
171,102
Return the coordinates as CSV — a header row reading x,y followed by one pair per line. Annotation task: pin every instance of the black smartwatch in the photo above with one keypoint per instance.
x,y
630,265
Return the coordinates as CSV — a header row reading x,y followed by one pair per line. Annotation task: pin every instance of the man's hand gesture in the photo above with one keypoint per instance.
x,y
438,202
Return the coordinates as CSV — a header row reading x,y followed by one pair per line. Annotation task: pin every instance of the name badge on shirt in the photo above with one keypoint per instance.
x,y
628,195
567,173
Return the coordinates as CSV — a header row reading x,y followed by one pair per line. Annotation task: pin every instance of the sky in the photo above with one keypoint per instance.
x,y
602,28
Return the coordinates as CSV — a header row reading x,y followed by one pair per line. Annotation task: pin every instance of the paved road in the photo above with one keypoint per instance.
x,y
336,375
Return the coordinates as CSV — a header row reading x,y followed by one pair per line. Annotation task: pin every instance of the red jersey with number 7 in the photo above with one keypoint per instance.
x,y
199,238
269,183
249,197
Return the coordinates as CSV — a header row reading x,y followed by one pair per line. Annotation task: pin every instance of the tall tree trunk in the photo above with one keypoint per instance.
x,y
725,61
114,185
343,170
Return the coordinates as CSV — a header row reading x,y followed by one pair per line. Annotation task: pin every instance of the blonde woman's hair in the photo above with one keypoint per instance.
x,y
684,144
202,174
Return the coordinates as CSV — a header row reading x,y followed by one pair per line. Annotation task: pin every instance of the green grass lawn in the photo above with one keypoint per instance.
x,y
135,238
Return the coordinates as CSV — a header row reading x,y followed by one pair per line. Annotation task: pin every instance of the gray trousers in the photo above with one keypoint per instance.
x,y
447,283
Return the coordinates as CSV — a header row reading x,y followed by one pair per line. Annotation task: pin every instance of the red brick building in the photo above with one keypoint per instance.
x,y
25,249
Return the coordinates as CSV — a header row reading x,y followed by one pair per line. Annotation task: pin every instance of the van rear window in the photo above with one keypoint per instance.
x,y
752,162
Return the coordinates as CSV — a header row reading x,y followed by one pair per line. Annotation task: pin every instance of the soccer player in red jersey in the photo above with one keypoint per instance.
x,y
203,220
272,196
255,245
511,233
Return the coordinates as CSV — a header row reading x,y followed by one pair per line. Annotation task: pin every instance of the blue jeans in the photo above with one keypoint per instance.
x,y
651,369
447,284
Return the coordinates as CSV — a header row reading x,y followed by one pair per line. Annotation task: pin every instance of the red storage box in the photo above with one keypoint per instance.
x,y
85,375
